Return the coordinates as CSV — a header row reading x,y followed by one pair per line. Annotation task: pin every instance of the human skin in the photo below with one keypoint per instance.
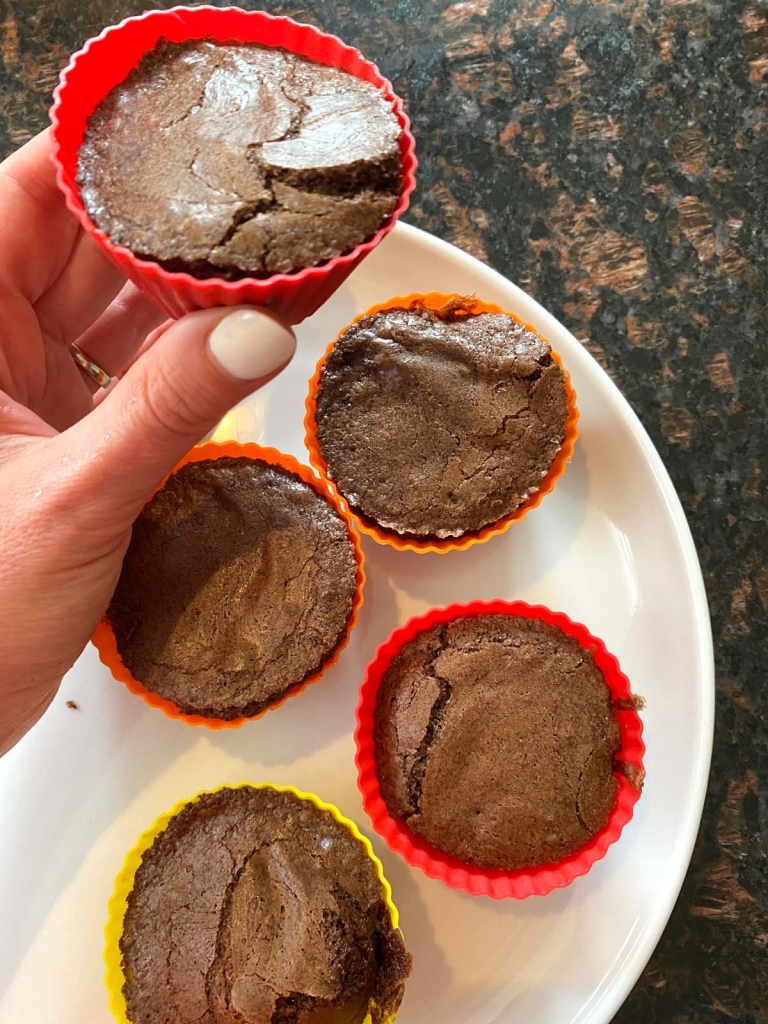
x,y
77,463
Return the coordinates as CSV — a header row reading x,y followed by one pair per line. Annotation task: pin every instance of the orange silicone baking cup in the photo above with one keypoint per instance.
x,y
435,300
104,638
524,882
107,59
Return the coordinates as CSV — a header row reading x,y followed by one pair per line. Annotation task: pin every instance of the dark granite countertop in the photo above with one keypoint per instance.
x,y
630,140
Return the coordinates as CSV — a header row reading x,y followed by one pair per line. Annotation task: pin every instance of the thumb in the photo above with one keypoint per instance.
x,y
170,398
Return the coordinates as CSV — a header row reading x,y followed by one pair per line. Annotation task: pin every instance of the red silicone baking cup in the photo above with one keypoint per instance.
x,y
104,638
107,59
518,884
435,300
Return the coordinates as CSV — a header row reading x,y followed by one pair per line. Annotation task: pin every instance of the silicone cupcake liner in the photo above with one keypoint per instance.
x,y
435,300
107,59
118,903
104,638
521,883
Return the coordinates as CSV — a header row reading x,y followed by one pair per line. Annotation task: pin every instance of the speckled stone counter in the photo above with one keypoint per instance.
x,y
610,156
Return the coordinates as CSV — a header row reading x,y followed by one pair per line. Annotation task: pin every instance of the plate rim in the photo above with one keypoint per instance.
x,y
640,951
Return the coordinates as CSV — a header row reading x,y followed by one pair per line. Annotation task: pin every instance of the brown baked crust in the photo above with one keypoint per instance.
x,y
495,740
435,424
237,585
235,159
255,907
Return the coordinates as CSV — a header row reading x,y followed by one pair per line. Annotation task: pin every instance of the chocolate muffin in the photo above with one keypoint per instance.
x,y
238,583
437,423
495,740
235,159
255,907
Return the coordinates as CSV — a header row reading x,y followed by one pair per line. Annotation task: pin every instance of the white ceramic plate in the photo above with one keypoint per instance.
x,y
610,547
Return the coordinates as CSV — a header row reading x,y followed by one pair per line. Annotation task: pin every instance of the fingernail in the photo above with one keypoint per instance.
x,y
249,344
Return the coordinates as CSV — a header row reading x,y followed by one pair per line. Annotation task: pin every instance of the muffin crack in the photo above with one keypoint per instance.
x,y
299,105
579,782
304,566
513,417
434,725
241,216
201,178
193,108
479,469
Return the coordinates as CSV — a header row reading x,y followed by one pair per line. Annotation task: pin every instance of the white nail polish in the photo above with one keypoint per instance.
x,y
249,344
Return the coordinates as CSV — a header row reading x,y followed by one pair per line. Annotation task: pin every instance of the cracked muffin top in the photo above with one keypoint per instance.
x,y
256,907
437,423
236,159
495,740
238,583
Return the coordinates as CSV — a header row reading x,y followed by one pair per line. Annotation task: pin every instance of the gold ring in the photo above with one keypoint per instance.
x,y
93,370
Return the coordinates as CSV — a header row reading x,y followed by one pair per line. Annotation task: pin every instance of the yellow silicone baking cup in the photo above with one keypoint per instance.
x,y
118,903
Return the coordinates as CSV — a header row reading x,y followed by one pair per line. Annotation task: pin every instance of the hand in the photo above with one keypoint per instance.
x,y
76,470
